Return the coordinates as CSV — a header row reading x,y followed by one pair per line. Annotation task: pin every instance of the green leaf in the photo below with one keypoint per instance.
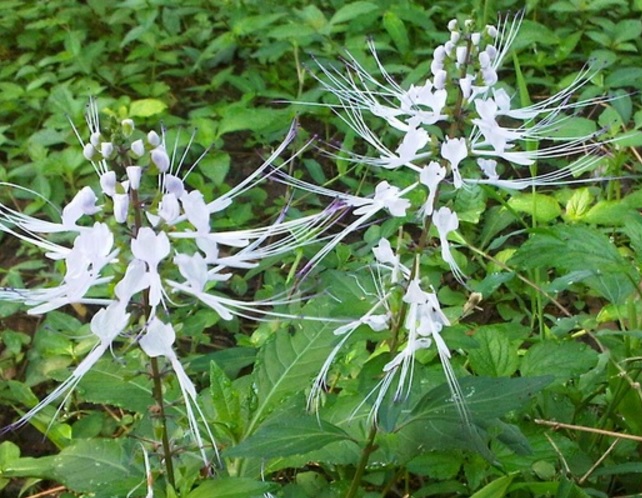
x,y
565,360
352,11
294,436
112,383
232,487
496,488
578,248
435,423
627,29
238,117
146,107
225,399
89,465
495,357
486,397
579,204
397,31
543,208
287,363
215,167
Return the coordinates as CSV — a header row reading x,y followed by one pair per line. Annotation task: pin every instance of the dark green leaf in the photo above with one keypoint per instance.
x,y
293,436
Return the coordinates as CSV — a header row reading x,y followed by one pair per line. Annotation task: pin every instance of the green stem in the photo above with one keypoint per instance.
x,y
363,462
160,402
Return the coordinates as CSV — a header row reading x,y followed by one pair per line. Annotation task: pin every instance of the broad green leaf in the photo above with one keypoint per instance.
x,y
352,11
225,399
112,383
564,360
232,487
435,423
579,204
578,248
294,436
496,356
542,207
146,107
486,397
575,127
628,29
397,31
236,118
607,213
215,167
495,489
287,363
247,25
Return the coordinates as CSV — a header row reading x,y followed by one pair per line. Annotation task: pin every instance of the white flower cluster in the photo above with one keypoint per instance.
x,y
144,238
457,129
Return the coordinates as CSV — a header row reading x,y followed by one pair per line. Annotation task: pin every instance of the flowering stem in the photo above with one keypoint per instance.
x,y
363,461
156,375
158,396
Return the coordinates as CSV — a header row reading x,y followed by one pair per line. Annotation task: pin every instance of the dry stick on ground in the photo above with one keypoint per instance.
x,y
48,492
583,428
598,462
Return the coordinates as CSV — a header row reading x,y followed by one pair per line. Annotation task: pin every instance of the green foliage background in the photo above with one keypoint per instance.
x,y
237,71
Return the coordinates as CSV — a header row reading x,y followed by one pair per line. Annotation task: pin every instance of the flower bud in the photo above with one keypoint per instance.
x,y
439,81
475,38
89,151
452,25
134,173
127,126
108,183
106,149
153,139
174,185
160,158
492,31
484,60
491,51
121,206
490,76
461,54
138,148
95,139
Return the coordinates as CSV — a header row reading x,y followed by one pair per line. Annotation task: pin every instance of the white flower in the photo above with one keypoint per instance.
x,y
446,221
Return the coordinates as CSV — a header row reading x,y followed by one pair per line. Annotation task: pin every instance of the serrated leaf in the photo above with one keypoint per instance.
x,y
232,487
294,436
495,357
486,397
435,423
111,383
105,467
579,204
146,107
578,248
543,208
564,360
225,399
287,363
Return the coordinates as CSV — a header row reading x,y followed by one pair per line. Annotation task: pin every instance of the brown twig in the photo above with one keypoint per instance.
x,y
48,492
560,425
